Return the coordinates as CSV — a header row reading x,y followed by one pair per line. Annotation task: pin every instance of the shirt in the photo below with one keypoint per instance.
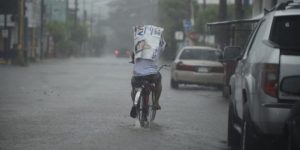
x,y
143,67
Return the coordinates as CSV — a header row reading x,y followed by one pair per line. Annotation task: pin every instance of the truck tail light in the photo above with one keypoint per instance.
x,y
270,79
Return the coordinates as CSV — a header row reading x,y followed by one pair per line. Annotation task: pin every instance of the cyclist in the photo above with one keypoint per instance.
x,y
148,44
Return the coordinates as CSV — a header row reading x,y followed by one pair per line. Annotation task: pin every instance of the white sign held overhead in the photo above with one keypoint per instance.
x,y
147,41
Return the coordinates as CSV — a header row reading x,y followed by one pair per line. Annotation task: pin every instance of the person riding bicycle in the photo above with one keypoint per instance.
x,y
148,44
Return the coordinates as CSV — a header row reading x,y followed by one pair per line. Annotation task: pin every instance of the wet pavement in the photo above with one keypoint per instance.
x,y
76,104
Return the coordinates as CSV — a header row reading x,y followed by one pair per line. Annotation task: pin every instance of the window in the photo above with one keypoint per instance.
x,y
286,32
197,54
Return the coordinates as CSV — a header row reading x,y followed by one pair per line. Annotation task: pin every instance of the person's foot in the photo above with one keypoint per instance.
x,y
157,107
144,117
133,113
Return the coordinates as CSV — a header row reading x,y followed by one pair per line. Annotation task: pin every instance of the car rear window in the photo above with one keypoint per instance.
x,y
286,32
199,54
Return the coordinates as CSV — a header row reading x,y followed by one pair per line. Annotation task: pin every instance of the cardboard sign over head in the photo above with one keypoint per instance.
x,y
147,41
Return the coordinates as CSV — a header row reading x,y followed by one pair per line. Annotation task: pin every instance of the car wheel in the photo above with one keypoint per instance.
x,y
233,136
294,128
174,84
290,141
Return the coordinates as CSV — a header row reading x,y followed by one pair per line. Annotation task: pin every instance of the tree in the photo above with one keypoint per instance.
x,y
96,43
204,16
68,37
125,15
58,31
59,34
78,33
172,13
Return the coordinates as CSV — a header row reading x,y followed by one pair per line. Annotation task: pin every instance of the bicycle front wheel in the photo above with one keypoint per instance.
x,y
152,110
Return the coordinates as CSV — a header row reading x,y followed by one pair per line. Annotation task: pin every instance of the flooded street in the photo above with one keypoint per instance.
x,y
85,103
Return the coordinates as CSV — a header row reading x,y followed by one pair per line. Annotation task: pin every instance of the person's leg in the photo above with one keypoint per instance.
x,y
158,89
133,113
133,83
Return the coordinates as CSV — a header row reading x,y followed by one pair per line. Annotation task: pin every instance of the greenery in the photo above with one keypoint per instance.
x,y
58,31
210,14
96,42
73,40
172,13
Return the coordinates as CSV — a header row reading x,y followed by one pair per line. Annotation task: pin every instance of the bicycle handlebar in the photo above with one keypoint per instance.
x,y
164,65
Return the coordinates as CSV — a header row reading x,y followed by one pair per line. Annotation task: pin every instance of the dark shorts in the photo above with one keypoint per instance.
x,y
153,78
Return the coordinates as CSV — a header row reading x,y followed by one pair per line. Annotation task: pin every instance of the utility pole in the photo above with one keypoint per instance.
x,y
192,13
222,38
21,14
238,9
84,12
42,29
76,10
222,10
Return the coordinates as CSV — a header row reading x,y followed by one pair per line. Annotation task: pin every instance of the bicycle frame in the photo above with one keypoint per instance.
x,y
143,103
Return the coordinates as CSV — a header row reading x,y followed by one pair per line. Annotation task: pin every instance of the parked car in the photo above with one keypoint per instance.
x,y
122,52
197,65
266,81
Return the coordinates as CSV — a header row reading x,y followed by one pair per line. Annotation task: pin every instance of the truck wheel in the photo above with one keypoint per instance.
x,y
294,128
233,136
249,139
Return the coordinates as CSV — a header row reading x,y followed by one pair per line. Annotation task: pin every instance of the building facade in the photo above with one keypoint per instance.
x,y
260,5
8,28
56,10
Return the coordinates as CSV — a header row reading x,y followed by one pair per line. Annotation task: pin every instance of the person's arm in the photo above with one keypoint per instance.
x,y
132,58
162,43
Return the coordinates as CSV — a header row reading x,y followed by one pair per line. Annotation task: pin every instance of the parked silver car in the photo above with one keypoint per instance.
x,y
197,65
266,81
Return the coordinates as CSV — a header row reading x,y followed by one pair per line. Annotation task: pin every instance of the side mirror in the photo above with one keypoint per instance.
x,y
232,53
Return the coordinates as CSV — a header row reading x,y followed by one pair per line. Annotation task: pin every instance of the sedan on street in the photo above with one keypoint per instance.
x,y
197,65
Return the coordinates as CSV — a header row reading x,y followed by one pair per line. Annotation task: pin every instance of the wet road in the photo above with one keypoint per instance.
x,y
77,104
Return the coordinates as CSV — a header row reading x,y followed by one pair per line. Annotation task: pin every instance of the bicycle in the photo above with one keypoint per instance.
x,y
144,101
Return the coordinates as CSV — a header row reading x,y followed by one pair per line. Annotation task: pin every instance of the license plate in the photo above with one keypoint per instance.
x,y
202,69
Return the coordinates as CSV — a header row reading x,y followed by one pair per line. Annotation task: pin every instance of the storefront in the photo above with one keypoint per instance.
x,y
8,30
